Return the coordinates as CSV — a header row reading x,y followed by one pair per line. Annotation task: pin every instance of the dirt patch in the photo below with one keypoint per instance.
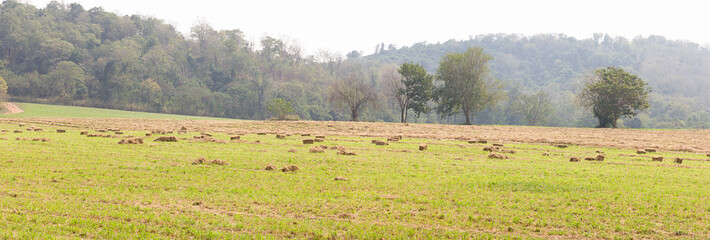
x,y
12,108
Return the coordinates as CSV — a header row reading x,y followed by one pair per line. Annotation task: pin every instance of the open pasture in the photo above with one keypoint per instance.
x,y
211,184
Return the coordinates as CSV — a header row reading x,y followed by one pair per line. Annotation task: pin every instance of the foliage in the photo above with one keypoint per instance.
x,y
353,92
466,84
3,89
535,108
411,87
280,108
611,93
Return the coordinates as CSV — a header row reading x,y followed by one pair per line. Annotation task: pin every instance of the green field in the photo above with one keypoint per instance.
x,y
34,110
78,187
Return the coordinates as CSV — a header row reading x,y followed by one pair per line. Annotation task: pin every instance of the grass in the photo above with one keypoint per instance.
x,y
33,110
79,187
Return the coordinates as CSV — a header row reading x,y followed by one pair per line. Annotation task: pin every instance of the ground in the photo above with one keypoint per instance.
x,y
11,108
69,185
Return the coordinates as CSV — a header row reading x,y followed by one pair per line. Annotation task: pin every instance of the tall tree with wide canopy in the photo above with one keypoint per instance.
x,y
466,84
611,93
411,87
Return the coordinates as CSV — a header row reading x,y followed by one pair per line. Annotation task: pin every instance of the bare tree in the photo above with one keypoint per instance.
x,y
353,92
535,108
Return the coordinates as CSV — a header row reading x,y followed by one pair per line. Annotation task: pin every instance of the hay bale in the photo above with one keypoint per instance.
x,y
546,154
316,150
319,140
280,136
61,131
657,159
84,133
641,151
341,179
650,150
423,147
498,145
290,168
292,150
166,139
200,160
600,158
497,156
261,133
17,131
561,145
234,137
38,130
574,159
270,167
678,160
308,141
320,137
590,158
219,162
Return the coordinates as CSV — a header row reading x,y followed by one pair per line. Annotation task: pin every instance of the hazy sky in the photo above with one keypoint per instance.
x,y
343,26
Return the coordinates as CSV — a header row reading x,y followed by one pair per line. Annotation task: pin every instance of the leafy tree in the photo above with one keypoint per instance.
x,y
411,87
353,92
3,89
611,93
535,108
280,108
466,84
67,81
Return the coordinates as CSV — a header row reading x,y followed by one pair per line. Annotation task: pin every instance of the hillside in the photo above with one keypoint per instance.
x,y
677,71
68,55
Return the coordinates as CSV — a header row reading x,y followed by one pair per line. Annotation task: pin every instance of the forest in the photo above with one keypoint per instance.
x,y
65,54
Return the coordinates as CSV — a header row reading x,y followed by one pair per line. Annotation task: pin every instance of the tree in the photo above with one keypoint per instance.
x,y
353,92
611,93
280,108
535,108
466,84
3,89
67,81
411,87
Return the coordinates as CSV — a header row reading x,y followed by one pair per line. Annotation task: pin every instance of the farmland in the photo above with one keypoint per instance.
x,y
74,186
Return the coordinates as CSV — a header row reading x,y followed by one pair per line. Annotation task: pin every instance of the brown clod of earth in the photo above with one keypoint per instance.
x,y
678,160
261,133
166,139
316,150
497,156
22,124
270,167
219,162
200,160
131,141
598,151
61,131
423,147
590,158
561,145
305,134
347,216
510,151
38,130
346,153
600,158
657,159
148,134
574,159
308,141
101,130
381,143
490,149
392,139
289,168
641,151
183,128
319,140
341,179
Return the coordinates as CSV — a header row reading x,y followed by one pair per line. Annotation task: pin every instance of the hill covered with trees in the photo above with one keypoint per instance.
x,y
65,54
678,73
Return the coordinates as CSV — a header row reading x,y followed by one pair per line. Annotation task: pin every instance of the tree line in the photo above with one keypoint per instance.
x,y
65,54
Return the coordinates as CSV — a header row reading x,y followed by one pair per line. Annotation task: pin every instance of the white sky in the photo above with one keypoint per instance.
x,y
343,26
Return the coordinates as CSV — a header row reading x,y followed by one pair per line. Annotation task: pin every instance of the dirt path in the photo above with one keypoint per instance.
x,y
12,108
